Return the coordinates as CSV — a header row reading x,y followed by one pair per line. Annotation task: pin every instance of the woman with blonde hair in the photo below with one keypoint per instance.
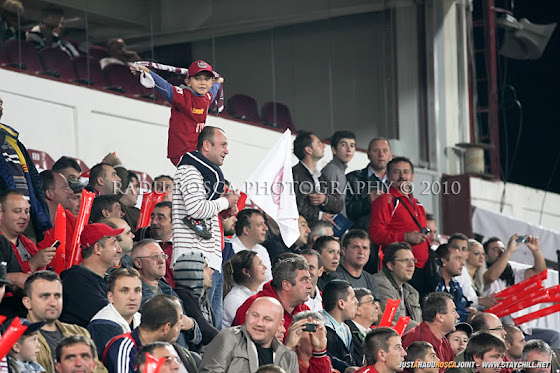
x,y
476,265
244,274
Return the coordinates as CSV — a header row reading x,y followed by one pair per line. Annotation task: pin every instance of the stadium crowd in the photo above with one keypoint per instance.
x,y
210,287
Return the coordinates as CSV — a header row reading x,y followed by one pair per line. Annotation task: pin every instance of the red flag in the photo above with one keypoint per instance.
x,y
537,314
402,323
525,291
11,336
73,252
149,202
389,312
154,364
60,235
519,287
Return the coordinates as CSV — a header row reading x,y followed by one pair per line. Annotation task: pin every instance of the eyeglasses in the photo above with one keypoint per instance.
x,y
406,261
501,328
366,302
169,360
154,257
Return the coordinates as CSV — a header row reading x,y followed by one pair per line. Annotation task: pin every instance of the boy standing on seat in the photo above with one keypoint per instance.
x,y
189,106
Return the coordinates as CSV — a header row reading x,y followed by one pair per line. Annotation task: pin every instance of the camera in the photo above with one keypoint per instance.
x,y
522,239
310,327
425,230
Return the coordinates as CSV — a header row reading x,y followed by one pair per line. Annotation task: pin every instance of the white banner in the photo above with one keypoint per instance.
x,y
271,187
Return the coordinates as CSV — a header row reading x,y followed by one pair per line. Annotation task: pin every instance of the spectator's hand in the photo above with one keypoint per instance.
x,y
415,237
513,244
112,159
186,323
42,258
472,312
533,243
319,338
230,212
373,195
329,218
488,301
18,278
317,199
220,80
143,68
232,198
293,334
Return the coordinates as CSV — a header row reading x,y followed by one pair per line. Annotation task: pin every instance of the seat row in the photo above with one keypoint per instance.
x,y
54,62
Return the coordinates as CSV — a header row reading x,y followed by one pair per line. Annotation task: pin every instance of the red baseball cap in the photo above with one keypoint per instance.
x,y
199,66
96,231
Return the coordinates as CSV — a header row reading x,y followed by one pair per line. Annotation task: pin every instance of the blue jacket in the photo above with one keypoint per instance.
x,y
120,353
40,218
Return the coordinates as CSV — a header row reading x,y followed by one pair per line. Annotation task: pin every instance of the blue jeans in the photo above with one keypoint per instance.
x,y
216,295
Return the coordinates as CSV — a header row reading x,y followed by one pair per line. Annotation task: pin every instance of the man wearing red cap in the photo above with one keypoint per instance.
x,y
189,106
85,288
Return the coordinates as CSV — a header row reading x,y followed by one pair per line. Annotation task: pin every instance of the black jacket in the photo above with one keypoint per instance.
x,y
304,185
358,206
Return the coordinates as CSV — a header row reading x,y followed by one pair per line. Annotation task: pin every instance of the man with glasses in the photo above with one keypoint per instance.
x,y
173,362
483,322
85,288
392,282
451,265
367,313
149,260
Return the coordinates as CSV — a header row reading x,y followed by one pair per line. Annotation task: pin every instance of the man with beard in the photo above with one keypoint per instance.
x,y
43,300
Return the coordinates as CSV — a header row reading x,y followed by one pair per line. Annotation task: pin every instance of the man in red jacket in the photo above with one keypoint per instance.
x,y
291,285
438,318
398,217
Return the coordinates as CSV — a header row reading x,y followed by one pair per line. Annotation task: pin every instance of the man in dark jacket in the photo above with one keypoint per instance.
x,y
316,198
369,183
86,282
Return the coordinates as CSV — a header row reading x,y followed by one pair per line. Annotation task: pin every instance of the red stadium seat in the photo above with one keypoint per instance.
x,y
21,52
282,119
243,107
98,52
82,164
119,76
94,76
41,160
56,60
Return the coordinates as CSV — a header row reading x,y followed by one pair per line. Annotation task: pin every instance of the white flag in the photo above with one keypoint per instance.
x,y
271,187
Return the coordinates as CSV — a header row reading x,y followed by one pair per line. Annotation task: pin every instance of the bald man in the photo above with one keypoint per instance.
x,y
246,347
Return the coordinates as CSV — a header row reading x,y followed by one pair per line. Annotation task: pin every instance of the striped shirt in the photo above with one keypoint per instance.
x,y
189,199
